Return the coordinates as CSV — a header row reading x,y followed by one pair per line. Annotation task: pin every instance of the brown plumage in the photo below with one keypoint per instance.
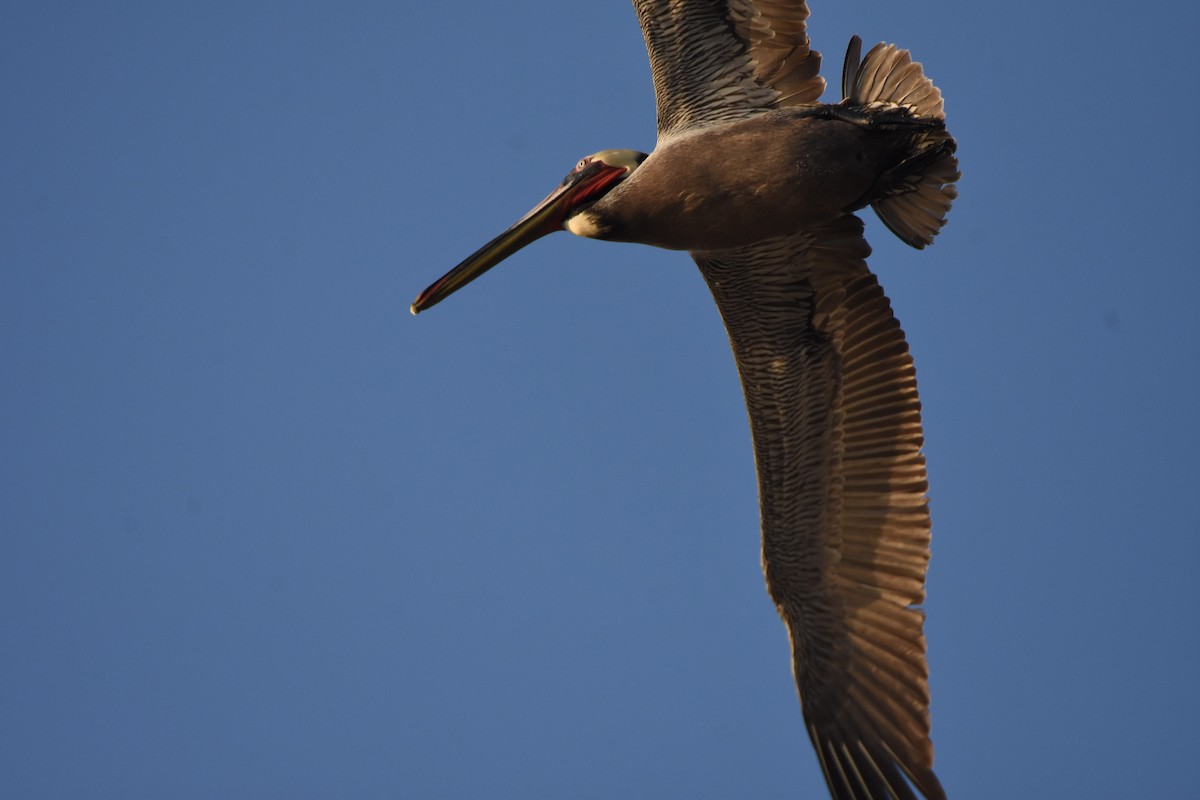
x,y
760,181
836,422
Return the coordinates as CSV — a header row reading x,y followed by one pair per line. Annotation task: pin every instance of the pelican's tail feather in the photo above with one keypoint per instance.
x,y
915,196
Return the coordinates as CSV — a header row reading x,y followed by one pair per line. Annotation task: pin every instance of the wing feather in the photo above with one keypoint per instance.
x,y
717,60
835,417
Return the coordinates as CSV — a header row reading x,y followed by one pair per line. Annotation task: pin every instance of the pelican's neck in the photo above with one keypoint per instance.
x,y
588,224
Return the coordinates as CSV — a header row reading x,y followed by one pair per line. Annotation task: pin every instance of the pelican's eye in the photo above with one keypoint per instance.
x,y
580,167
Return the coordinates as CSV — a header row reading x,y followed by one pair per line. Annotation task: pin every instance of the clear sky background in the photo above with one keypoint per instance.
x,y
267,535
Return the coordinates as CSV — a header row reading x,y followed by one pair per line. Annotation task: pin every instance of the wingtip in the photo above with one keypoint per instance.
x,y
850,68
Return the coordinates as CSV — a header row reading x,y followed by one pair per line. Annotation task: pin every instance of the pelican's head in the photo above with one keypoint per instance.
x,y
593,177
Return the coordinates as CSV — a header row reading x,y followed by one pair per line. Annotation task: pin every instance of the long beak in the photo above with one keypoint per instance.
x,y
547,217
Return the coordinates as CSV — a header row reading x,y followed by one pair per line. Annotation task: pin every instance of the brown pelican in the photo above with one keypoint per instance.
x,y
760,182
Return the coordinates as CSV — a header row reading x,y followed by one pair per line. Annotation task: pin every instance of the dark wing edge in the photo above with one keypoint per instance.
x,y
715,60
831,392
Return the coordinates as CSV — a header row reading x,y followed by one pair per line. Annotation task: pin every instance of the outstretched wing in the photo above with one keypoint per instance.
x,y
834,413
716,60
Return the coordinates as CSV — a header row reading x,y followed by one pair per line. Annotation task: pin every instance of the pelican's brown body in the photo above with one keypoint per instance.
x,y
794,168
760,181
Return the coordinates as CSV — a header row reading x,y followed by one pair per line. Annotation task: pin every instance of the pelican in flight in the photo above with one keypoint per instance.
x,y
760,182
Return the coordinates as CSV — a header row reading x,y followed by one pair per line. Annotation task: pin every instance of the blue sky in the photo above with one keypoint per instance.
x,y
267,535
